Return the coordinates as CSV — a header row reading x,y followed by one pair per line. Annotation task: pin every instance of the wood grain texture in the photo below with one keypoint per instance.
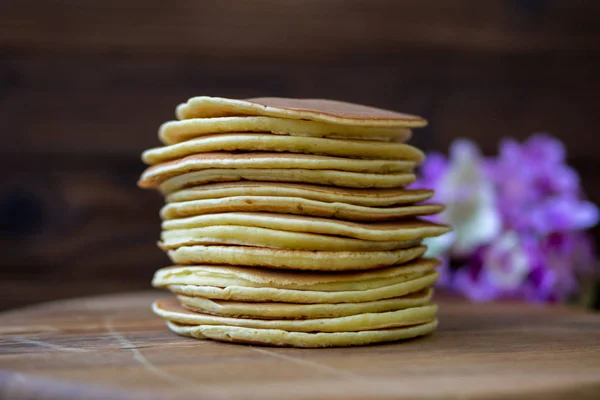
x,y
79,217
113,346
107,107
282,29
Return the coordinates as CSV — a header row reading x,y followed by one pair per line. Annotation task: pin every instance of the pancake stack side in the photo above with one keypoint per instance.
x,y
290,222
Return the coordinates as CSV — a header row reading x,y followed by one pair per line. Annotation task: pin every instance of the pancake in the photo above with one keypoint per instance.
x,y
281,338
293,259
330,111
408,284
170,310
275,310
172,132
225,275
320,177
253,142
377,231
362,197
295,205
271,310
154,175
262,198
273,238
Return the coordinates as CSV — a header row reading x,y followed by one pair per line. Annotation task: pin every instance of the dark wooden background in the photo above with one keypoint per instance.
x,y
84,85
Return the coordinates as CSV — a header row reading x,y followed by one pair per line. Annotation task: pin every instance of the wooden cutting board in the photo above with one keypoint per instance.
x,y
113,347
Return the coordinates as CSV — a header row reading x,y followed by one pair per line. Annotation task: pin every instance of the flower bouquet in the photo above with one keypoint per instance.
x,y
519,222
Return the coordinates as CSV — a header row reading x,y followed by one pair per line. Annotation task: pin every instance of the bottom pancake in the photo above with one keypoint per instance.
x,y
282,338
272,310
171,310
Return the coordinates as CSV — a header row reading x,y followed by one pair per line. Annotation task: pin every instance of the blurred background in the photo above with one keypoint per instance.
x,y
85,84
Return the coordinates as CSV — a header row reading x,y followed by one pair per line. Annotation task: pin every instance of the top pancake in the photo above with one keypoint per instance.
x,y
173,132
330,111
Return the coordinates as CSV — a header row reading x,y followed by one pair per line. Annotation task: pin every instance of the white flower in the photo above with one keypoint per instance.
x,y
440,245
470,201
506,262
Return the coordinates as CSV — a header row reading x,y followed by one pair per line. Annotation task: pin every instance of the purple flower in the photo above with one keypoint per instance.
x,y
538,269
498,271
518,220
536,191
565,260
562,214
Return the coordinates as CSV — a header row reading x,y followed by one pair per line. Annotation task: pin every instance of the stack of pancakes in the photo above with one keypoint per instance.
x,y
289,223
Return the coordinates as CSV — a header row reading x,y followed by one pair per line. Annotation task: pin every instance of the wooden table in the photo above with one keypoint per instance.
x,y
113,347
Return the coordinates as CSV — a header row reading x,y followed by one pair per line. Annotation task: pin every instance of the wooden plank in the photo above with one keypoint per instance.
x,y
112,346
24,291
304,27
99,106
82,220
